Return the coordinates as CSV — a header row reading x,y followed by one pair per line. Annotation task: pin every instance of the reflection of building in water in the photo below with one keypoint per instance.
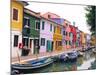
x,y
74,67
79,61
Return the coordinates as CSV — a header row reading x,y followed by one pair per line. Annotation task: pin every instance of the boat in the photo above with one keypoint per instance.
x,y
80,53
33,64
72,55
69,56
63,57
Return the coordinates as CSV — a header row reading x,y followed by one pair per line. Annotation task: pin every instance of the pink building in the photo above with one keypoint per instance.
x,y
68,30
50,15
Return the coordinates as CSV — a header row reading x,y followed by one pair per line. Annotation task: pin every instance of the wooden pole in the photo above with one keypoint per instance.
x,y
18,57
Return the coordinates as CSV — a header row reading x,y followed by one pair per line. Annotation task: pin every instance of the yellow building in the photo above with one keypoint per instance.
x,y
93,41
16,25
57,38
83,39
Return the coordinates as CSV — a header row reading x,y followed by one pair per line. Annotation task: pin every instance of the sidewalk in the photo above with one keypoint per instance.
x,y
33,57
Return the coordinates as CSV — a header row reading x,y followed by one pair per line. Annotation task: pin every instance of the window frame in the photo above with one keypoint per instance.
x,y
27,21
13,15
54,29
43,25
14,44
51,27
26,41
36,24
42,41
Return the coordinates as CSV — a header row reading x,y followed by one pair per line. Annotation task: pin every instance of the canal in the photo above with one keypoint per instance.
x,y
82,63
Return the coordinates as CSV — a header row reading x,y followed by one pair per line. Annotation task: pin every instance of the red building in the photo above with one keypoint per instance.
x,y
73,36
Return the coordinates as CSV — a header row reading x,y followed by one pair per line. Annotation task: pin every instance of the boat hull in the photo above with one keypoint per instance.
x,y
25,67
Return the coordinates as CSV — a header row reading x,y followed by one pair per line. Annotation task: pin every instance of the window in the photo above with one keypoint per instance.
x,y
50,27
70,34
66,33
15,40
67,43
63,32
43,23
59,43
49,16
25,42
26,22
15,14
42,41
37,25
66,24
60,30
54,29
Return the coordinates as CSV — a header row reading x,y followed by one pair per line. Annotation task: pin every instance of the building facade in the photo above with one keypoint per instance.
x,y
78,42
88,39
57,36
46,35
68,38
62,22
31,32
83,39
16,26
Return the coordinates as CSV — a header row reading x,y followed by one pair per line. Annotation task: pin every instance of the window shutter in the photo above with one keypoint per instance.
x,y
15,14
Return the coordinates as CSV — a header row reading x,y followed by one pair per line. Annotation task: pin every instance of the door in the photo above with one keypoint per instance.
x,y
52,46
36,46
25,50
31,45
48,46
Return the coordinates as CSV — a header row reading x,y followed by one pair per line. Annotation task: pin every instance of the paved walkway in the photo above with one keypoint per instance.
x,y
23,59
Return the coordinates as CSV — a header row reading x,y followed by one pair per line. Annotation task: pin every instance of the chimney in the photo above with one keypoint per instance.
x,y
73,23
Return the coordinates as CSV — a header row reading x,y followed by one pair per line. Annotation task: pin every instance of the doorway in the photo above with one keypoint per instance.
x,y
36,46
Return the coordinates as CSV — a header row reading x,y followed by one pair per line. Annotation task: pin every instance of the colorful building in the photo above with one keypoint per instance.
x,y
62,22
36,34
83,39
88,39
68,38
74,36
50,15
64,40
16,25
57,36
93,40
46,35
31,32
78,37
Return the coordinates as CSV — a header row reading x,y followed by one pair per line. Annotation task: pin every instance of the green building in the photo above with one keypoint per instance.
x,y
31,32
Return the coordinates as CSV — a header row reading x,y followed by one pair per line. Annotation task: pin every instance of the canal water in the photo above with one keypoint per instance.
x,y
82,63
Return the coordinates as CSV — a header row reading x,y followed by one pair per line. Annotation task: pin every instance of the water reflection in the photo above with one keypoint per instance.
x,y
80,61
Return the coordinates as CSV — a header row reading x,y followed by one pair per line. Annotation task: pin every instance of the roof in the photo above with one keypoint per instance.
x,y
51,21
21,2
58,20
24,3
32,13
52,13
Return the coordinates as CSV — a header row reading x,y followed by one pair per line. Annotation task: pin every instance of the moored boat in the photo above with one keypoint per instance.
x,y
80,53
72,55
33,64
63,57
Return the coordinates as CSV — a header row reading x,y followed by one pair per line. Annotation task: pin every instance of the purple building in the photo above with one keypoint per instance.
x,y
46,35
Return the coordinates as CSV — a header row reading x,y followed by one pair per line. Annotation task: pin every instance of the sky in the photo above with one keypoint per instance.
x,y
73,13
